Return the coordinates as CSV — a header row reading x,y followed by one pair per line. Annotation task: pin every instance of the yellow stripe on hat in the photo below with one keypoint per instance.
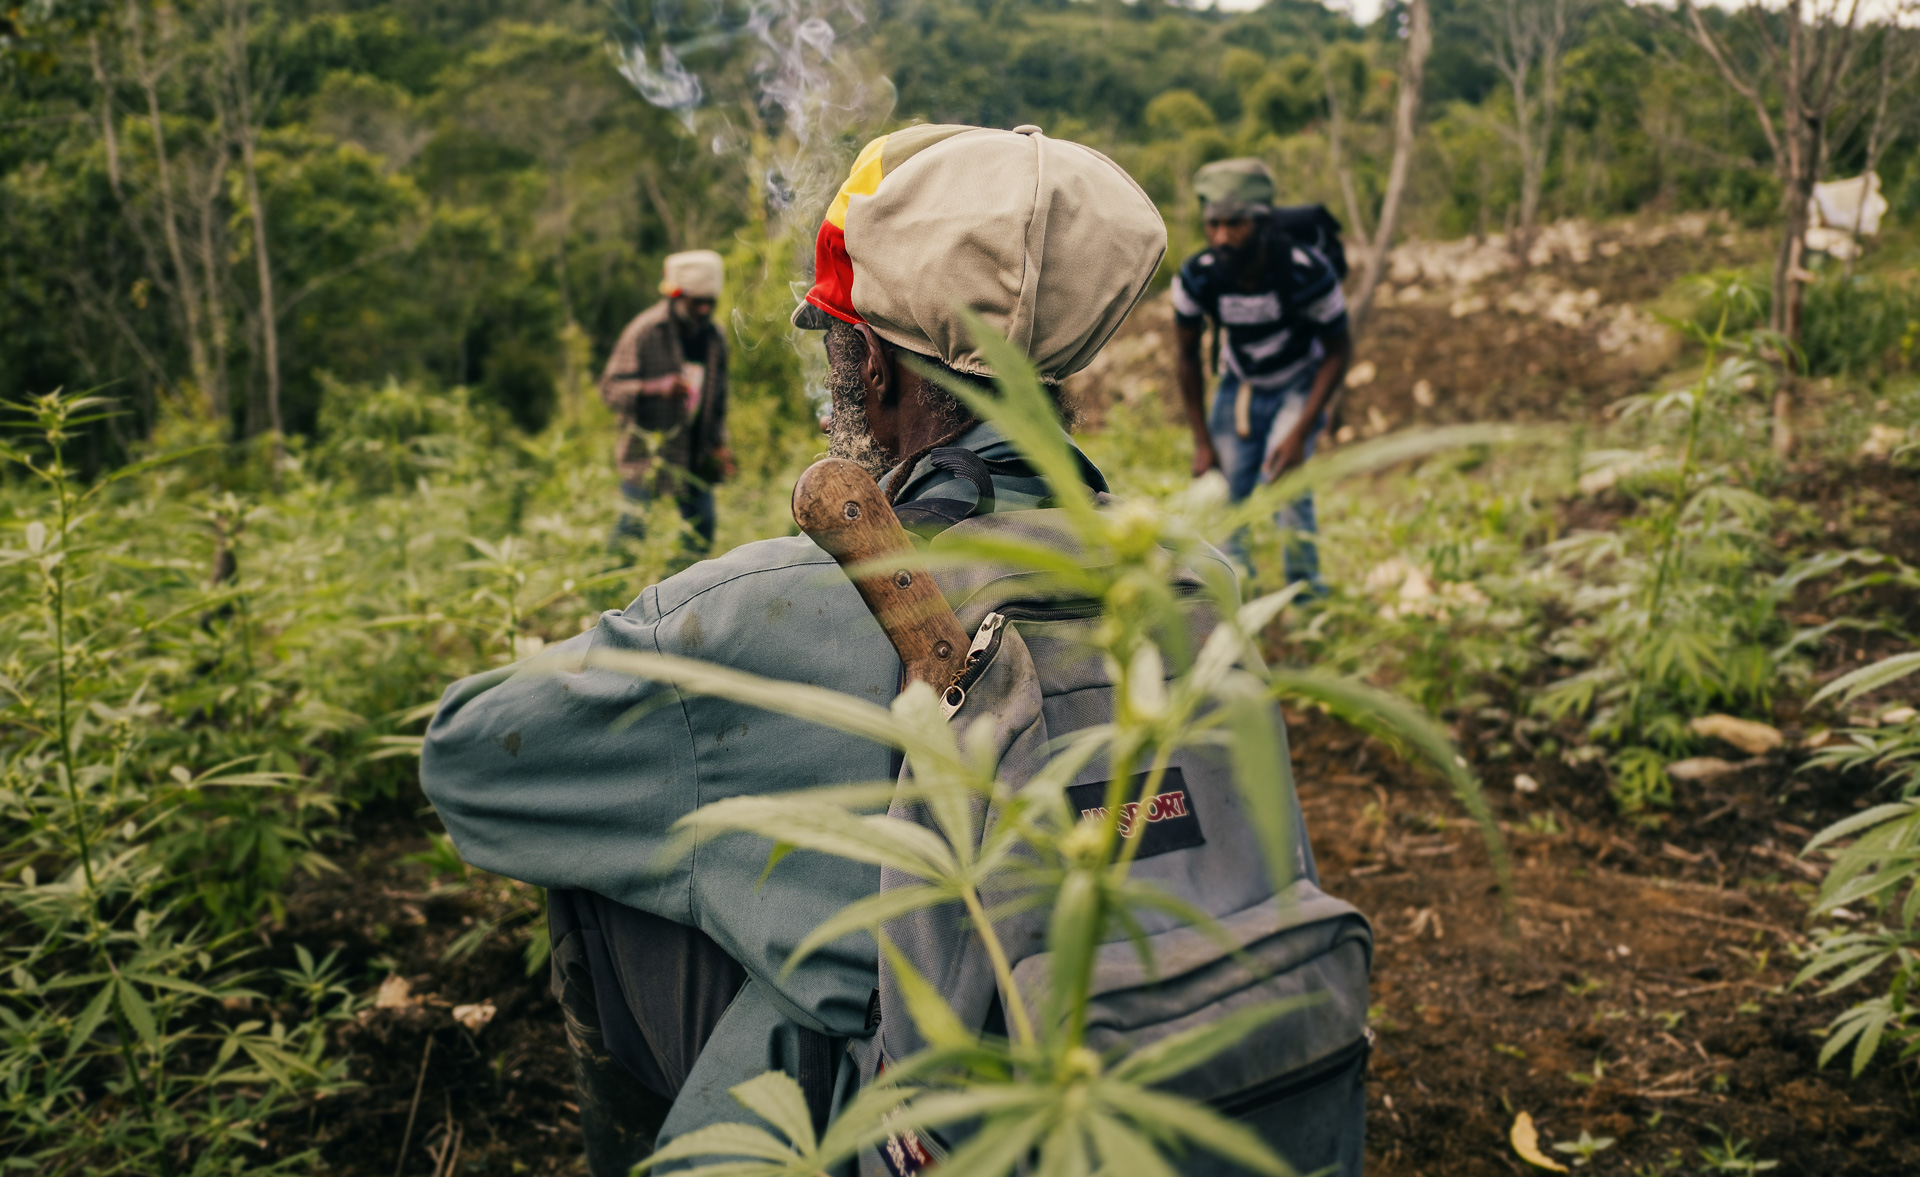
x,y
863,180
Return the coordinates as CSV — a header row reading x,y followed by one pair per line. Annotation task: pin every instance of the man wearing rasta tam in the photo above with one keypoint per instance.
x,y
666,381
1278,303
669,970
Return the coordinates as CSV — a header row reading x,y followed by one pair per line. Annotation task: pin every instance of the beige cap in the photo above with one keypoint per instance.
x,y
697,273
1049,241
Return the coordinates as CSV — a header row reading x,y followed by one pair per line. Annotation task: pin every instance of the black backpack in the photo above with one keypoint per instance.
x,y
1313,225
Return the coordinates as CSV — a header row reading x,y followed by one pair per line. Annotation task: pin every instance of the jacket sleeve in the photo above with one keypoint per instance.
x,y
642,364
617,386
569,777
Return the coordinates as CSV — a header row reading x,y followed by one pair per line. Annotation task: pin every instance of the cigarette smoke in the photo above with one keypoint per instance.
x,y
791,94
808,90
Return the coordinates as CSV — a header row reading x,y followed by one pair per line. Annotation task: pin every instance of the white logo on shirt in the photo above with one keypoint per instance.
x,y
1249,308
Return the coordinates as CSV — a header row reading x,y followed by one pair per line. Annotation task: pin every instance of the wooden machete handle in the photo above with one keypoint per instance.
x,y
839,505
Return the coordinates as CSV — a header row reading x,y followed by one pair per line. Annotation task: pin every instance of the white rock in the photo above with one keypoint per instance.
x,y
1522,783
394,993
474,1017
1388,574
1882,440
1755,739
1699,768
1362,374
1423,393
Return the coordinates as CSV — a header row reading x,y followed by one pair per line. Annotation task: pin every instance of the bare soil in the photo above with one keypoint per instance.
x,y
1636,989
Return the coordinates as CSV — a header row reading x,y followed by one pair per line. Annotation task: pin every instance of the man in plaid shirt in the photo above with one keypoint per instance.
x,y
666,381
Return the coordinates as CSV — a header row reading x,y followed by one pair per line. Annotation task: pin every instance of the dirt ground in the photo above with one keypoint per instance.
x,y
1635,988
1638,991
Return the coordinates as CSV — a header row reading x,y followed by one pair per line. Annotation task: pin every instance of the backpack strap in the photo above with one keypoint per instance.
x,y
928,517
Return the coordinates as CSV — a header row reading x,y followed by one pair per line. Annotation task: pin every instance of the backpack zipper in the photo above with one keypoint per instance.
x,y
1073,610
986,643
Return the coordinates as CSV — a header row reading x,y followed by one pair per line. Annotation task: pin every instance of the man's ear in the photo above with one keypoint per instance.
x,y
877,373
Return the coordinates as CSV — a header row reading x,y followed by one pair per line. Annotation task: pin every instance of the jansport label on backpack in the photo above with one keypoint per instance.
x,y
1163,822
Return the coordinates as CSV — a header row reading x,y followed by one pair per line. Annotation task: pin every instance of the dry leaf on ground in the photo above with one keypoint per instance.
x,y
1526,1142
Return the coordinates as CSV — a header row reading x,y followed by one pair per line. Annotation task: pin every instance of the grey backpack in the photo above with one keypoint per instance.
x,y
1298,1081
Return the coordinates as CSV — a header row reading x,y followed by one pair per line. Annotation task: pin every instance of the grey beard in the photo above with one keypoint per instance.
x,y
849,434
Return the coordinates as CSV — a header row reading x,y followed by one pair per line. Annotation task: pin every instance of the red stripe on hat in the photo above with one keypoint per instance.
x,y
833,274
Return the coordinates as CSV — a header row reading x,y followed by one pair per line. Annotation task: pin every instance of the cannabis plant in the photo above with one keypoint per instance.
x,y
1875,872
1040,1098
136,1040
1677,611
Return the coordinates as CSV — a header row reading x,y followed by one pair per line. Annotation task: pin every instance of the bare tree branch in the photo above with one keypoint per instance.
x,y
1711,44
1413,72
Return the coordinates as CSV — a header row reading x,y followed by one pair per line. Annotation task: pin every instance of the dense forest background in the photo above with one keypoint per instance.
x,y
230,210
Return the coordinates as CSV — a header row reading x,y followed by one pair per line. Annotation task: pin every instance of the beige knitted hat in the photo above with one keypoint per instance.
x,y
697,273
1049,241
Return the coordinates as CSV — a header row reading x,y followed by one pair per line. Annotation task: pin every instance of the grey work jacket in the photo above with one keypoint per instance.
x,y
576,779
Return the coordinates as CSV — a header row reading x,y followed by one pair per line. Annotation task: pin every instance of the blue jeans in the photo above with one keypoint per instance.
x,y
1273,412
696,508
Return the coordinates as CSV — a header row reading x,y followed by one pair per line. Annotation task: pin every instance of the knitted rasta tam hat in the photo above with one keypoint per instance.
x,y
1049,241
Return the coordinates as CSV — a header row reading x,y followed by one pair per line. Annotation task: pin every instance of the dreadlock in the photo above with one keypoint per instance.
x,y
946,407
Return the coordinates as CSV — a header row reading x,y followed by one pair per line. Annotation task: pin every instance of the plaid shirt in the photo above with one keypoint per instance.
x,y
642,386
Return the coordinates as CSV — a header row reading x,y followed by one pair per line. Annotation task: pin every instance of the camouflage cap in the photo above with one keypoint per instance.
x,y
1049,241
1235,187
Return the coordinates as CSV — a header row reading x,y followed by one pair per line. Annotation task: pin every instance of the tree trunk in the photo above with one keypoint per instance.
x,y
217,399
269,323
246,133
1529,170
1413,69
186,291
1356,223
108,136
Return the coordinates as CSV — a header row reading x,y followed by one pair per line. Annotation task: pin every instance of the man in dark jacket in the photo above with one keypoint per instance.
x,y
667,382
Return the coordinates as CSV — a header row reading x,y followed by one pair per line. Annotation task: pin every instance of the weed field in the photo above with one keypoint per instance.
x,y
1672,656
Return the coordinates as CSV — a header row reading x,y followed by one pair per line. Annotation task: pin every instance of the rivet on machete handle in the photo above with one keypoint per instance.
x,y
840,507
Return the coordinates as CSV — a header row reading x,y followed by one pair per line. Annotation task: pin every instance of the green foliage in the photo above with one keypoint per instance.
x,y
1733,1156
130,1034
196,680
1677,613
1584,1149
441,203
1860,326
447,191
1438,589
1875,866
